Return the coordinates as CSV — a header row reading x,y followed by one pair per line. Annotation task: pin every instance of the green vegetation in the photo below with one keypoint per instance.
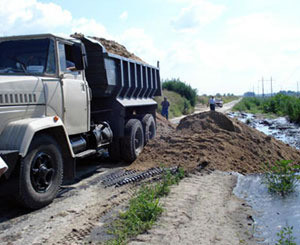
x,y
181,88
144,209
280,104
286,236
178,104
249,104
282,178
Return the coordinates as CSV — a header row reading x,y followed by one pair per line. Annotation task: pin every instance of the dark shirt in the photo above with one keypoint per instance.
x,y
165,105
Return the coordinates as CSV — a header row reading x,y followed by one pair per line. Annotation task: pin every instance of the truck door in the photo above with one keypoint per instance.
x,y
75,92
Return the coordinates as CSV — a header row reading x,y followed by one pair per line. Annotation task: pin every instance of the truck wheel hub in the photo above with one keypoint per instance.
x,y
42,172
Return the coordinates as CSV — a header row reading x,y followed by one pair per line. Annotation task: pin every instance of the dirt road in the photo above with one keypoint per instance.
x,y
202,210
201,108
72,215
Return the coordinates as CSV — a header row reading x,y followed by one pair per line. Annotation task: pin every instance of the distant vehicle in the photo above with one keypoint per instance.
x,y
62,100
219,102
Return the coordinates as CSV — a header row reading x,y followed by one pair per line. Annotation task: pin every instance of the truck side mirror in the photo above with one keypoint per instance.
x,y
77,57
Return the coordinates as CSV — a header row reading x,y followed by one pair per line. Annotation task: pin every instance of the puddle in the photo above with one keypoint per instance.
x,y
272,212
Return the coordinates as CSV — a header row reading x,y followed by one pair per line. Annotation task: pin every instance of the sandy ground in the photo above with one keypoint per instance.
x,y
68,220
202,210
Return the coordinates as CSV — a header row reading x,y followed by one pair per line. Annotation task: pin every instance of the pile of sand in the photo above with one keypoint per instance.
x,y
112,47
213,139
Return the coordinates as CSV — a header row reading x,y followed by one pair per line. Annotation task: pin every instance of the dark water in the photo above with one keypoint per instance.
x,y
272,212
280,128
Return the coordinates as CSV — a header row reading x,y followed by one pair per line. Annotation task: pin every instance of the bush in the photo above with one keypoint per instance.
x,y
282,177
280,104
286,236
178,104
181,88
249,104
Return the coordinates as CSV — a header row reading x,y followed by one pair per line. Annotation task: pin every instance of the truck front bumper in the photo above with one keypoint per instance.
x,y
3,167
8,161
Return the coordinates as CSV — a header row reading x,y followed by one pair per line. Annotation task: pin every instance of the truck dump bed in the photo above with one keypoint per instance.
x,y
114,76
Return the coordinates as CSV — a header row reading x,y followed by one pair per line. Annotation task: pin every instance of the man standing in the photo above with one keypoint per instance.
x,y
165,108
212,103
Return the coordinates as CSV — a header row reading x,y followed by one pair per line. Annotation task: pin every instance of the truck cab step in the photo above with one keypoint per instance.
x,y
86,153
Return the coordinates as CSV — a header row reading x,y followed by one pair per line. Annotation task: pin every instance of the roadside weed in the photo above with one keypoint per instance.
x,y
282,177
286,236
144,209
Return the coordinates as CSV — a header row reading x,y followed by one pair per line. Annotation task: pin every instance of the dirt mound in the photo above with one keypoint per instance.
x,y
213,121
112,47
212,139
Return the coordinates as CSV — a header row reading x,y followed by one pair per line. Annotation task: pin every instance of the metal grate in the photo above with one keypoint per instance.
x,y
14,98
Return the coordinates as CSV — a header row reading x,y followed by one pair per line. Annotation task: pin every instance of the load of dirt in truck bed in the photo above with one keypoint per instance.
x,y
112,47
212,139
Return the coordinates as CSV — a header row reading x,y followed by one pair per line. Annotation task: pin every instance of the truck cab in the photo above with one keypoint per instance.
x,y
62,99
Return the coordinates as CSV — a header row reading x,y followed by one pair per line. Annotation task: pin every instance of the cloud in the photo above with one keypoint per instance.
x,y
90,27
32,17
137,41
124,16
249,47
21,17
197,14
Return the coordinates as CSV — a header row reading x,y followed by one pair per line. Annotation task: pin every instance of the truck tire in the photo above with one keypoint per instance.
x,y
41,173
149,127
133,141
114,150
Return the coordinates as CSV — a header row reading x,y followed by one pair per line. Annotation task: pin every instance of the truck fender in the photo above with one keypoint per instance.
x,y
18,135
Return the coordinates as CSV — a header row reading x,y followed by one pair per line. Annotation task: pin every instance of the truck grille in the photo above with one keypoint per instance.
x,y
14,98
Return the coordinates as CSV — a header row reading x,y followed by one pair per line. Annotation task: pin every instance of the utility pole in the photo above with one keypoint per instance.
x,y
271,87
262,89
297,89
262,86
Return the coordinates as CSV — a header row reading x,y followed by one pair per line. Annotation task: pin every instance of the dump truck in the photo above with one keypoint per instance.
x,y
64,99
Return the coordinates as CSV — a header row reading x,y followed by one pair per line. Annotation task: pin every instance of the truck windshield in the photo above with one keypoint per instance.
x,y
33,57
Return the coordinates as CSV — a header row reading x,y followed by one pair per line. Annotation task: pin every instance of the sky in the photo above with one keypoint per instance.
x,y
216,46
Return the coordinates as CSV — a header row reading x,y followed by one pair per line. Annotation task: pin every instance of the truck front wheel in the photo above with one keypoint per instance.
x,y
133,142
41,173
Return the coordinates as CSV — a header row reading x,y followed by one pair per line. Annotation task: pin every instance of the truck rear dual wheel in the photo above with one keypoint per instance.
x,y
41,173
149,127
133,141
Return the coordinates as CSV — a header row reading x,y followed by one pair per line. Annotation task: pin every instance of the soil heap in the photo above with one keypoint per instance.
x,y
112,47
212,139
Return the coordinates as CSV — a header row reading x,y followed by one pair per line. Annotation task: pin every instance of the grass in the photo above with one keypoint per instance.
x,y
143,210
282,178
178,104
286,236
